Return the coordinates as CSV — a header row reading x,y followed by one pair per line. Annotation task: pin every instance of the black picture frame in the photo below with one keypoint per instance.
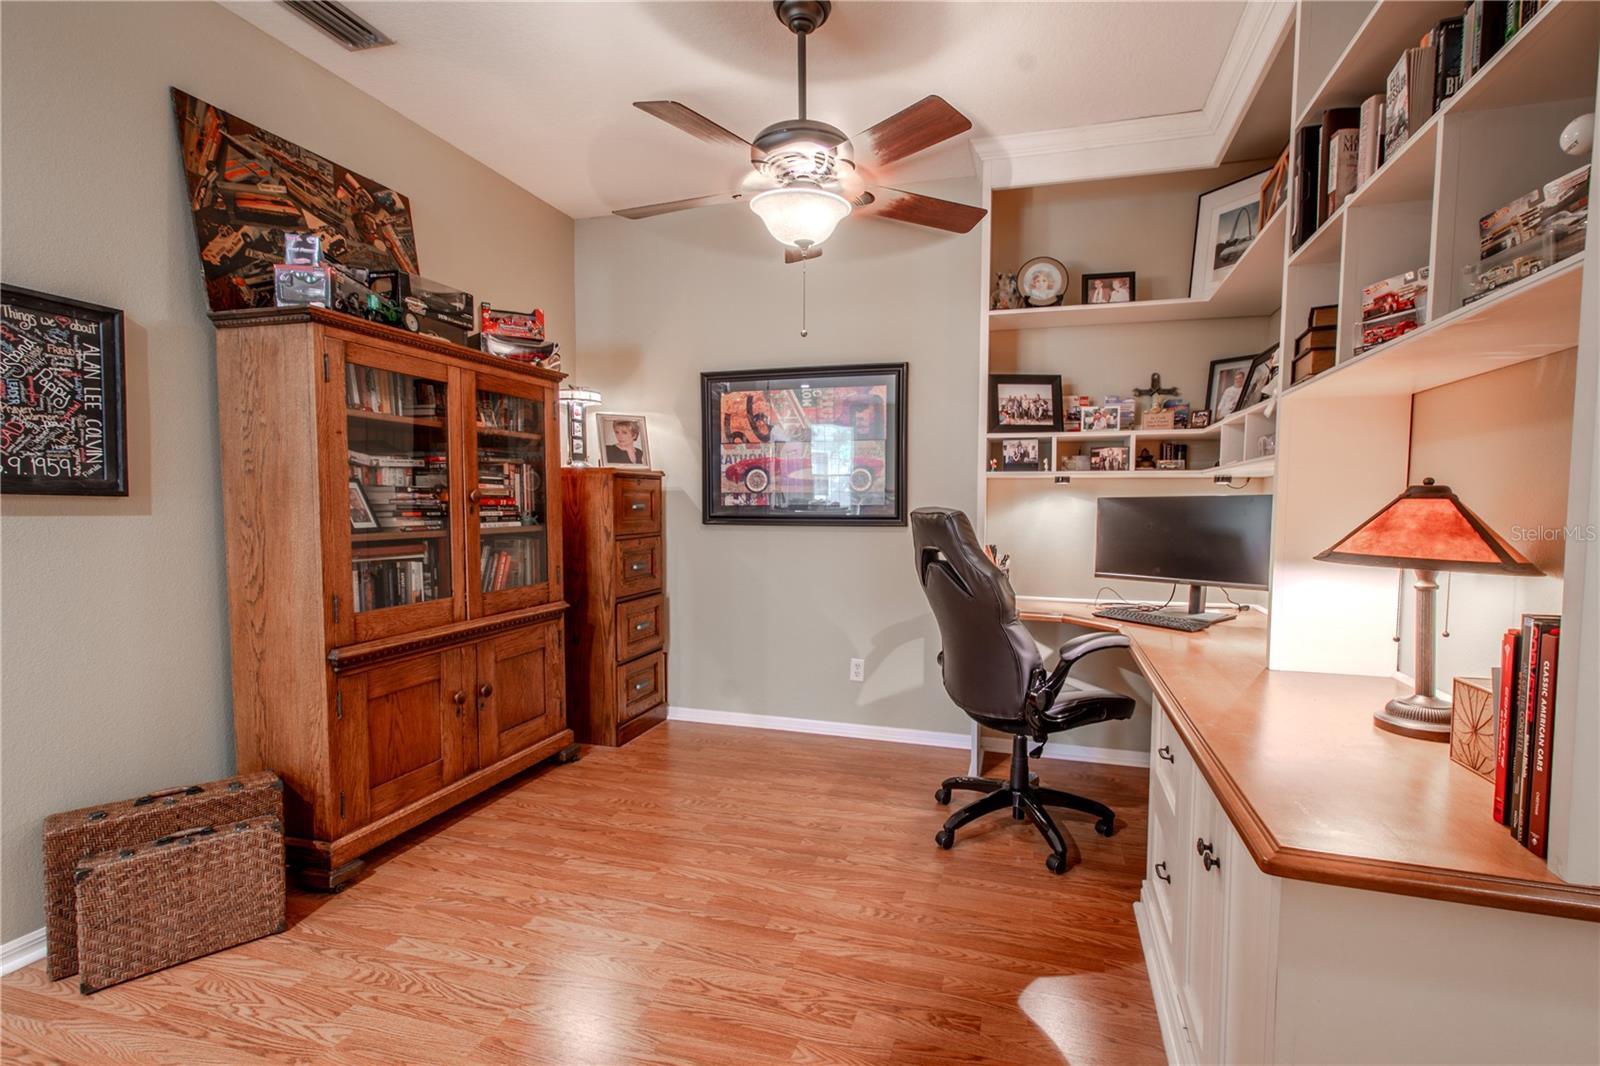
x,y
1257,378
752,459
1051,381
1227,363
1133,289
31,448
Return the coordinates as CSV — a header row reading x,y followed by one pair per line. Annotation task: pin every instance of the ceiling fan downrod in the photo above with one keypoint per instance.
x,y
803,17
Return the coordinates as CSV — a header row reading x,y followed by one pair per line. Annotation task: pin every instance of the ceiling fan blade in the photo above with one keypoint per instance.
x,y
650,210
922,125
690,121
900,206
795,255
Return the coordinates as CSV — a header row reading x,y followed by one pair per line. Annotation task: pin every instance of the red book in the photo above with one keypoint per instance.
x,y
1543,729
1503,749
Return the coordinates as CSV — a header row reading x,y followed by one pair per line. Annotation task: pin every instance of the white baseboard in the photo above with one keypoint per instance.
x,y
896,735
15,954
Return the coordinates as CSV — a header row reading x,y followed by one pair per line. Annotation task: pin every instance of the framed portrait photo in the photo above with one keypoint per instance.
x,y
805,446
624,440
1226,384
1259,377
1021,453
362,520
1108,288
1024,401
1226,223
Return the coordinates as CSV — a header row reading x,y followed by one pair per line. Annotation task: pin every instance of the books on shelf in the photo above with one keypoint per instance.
x,y
1526,705
1369,139
392,575
387,392
407,491
499,411
1448,76
1343,155
1303,205
505,564
1334,121
1408,97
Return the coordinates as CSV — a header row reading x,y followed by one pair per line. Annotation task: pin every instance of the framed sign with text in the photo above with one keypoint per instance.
x,y
63,429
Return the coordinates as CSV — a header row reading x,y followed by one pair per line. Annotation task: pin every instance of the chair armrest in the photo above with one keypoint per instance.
x,y
1088,644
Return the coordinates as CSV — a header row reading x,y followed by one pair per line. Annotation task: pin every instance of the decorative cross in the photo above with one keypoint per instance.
x,y
1155,388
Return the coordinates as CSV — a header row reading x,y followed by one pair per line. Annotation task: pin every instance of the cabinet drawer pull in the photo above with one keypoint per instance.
x,y
638,567
1211,861
1161,872
1201,847
1166,753
641,627
636,505
641,685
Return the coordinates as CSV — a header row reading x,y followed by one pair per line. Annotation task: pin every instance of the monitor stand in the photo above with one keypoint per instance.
x,y
1197,608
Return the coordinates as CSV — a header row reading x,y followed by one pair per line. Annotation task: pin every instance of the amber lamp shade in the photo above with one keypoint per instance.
x,y
1427,529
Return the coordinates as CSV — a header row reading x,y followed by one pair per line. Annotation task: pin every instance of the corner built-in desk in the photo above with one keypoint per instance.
x,y
1294,943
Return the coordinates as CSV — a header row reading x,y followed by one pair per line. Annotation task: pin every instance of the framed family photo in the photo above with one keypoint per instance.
x,y
1108,288
1226,223
1226,385
624,440
1024,401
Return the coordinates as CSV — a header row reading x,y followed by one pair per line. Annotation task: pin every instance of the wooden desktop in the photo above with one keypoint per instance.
x,y
1285,830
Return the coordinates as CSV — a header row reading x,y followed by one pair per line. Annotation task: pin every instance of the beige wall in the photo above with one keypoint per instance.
x,y
114,643
765,620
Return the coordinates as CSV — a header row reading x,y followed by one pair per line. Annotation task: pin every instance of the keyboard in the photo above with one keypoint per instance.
x,y
1148,617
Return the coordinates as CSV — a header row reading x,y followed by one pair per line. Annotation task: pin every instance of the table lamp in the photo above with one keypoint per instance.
x,y
1426,529
575,399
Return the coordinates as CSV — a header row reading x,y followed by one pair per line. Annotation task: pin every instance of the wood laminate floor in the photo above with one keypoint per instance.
x,y
704,895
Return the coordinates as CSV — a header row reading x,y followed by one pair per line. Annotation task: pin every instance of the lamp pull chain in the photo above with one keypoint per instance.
x,y
1449,583
803,331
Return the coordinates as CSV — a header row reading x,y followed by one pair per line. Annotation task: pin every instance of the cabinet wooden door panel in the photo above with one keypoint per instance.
x,y
519,691
404,726
1201,975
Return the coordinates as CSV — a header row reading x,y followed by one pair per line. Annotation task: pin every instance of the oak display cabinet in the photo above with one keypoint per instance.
x,y
393,527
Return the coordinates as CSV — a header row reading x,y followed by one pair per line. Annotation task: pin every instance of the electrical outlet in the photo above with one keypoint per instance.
x,y
858,669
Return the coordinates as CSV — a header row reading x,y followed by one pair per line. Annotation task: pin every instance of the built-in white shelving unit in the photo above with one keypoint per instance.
x,y
1335,448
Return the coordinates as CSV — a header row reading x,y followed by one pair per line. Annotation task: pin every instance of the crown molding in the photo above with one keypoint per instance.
x,y
1154,144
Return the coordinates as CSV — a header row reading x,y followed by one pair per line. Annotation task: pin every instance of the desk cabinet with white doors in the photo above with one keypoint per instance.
x,y
1251,968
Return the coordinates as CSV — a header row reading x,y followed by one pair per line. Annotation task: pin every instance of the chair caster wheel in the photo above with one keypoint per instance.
x,y
945,839
1105,827
1056,863
942,796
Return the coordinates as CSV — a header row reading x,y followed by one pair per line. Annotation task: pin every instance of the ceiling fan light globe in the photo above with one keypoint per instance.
x,y
800,216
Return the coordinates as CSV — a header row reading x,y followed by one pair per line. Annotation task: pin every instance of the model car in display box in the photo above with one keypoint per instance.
x,y
1393,307
426,306
517,335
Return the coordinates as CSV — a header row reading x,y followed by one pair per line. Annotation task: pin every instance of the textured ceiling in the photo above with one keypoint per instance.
x,y
541,92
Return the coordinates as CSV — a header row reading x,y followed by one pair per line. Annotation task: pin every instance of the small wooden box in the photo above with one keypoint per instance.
x,y
1314,361
1473,717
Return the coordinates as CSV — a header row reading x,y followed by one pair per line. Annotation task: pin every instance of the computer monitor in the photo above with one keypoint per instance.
x,y
1192,540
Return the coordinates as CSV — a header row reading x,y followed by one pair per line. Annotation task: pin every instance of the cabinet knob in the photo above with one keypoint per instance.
x,y
1161,872
1166,753
486,690
459,699
640,627
1211,861
1201,847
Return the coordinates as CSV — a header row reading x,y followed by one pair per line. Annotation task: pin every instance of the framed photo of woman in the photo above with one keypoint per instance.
x,y
624,441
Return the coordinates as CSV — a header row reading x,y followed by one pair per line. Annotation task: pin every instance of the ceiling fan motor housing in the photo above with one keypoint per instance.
x,y
801,149
802,16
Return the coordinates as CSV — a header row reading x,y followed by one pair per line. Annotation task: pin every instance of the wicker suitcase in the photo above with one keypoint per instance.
x,y
72,835
145,908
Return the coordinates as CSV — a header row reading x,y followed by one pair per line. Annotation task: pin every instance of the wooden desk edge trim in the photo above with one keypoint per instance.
x,y
1581,902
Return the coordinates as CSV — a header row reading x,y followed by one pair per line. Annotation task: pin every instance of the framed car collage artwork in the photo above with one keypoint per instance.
x,y
805,445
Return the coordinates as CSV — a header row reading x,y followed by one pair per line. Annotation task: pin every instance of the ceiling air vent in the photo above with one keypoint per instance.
x,y
339,22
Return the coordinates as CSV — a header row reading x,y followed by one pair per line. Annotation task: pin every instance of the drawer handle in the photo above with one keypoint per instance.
x,y
641,627
1211,861
636,505
1161,872
639,567
1201,847
641,685
1166,753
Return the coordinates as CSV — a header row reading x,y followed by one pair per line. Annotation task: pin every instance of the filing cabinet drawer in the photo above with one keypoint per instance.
x,y
636,505
641,626
638,566
1169,764
641,686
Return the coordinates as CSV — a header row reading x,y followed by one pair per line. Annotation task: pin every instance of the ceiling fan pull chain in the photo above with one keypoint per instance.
x,y
803,331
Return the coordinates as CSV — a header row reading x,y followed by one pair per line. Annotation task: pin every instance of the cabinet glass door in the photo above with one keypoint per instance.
x,y
509,501
396,418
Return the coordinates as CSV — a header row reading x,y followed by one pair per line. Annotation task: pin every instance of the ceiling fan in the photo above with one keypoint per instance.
x,y
807,176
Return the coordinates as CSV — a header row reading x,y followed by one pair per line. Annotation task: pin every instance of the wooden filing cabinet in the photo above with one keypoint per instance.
x,y
616,582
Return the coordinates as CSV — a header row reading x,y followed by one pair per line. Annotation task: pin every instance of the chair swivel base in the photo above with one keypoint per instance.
x,y
1025,799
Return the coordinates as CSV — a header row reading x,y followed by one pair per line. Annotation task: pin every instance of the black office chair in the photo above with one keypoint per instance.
x,y
993,671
